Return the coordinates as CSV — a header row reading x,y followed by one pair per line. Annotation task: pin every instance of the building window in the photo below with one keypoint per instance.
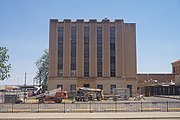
x,y
100,87
73,51
73,88
174,70
112,52
99,51
130,89
60,86
112,87
60,51
86,51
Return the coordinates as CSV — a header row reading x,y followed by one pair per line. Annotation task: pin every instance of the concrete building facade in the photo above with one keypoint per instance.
x,y
176,71
176,67
96,54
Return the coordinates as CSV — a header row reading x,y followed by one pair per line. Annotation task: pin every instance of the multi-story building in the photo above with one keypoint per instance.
x,y
176,71
96,54
176,67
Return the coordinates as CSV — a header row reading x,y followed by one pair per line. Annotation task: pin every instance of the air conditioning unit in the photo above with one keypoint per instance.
x,y
73,73
60,73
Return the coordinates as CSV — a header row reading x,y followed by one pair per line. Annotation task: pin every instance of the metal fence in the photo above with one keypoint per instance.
x,y
92,107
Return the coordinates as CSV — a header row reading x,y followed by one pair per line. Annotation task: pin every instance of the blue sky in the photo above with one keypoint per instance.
x,y
24,30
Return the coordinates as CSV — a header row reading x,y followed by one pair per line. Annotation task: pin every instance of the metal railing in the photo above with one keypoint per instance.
x,y
92,107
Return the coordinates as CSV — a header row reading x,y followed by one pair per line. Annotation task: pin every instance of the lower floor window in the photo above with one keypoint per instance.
x,y
112,87
60,86
73,88
100,87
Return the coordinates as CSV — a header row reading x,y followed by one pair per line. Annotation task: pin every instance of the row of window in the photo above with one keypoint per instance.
x,y
73,87
86,51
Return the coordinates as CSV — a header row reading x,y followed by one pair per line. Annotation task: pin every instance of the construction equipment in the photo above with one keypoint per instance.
x,y
89,94
119,94
11,97
139,97
55,95
86,94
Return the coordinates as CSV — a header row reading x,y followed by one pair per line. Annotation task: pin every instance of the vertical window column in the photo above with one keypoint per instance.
x,y
73,51
86,51
99,52
60,51
112,52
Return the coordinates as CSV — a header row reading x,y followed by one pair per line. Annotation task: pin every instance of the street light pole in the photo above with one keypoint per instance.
x,y
24,86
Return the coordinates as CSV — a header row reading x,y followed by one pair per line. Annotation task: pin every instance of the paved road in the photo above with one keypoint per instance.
x,y
91,116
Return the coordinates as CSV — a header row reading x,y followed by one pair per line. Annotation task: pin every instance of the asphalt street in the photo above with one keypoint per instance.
x,y
92,116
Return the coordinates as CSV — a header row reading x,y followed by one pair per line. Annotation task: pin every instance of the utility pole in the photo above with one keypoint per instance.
x,y
40,79
25,80
33,82
25,87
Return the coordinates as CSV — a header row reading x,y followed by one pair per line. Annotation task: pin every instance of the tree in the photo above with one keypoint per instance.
x,y
42,72
4,66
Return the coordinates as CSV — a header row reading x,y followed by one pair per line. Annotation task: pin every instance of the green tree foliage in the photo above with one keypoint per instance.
x,y
42,66
4,66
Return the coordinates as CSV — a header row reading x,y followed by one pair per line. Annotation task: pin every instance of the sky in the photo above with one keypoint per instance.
x,y
24,30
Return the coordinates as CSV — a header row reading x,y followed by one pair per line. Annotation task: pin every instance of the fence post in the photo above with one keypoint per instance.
x,y
38,107
12,107
167,106
141,107
64,107
116,105
90,107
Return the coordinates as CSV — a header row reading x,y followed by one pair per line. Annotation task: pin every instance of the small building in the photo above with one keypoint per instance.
x,y
161,90
152,80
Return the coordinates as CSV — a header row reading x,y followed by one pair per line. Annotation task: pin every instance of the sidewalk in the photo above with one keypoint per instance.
x,y
91,116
